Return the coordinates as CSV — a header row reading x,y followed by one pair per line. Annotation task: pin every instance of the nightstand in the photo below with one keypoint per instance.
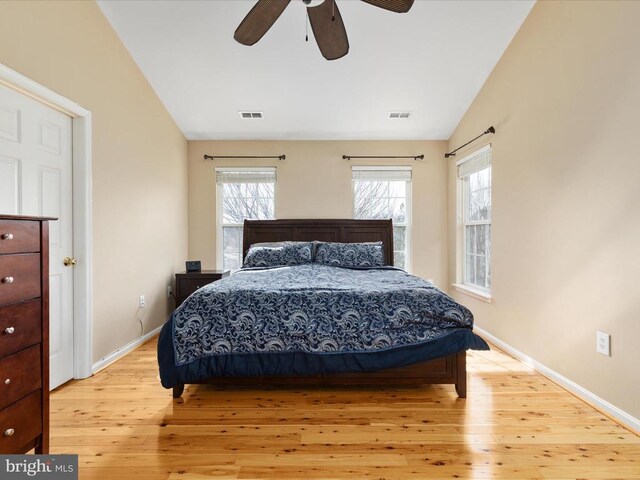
x,y
189,282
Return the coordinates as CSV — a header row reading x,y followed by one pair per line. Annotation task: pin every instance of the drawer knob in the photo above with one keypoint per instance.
x,y
9,330
7,236
9,432
7,280
7,381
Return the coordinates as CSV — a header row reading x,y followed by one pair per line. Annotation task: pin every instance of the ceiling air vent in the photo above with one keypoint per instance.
x,y
399,115
250,114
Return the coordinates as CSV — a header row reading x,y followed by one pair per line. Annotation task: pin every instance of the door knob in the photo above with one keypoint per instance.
x,y
7,280
69,262
7,236
9,330
9,432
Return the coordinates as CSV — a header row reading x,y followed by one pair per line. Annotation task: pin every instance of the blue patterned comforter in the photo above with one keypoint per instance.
x,y
309,319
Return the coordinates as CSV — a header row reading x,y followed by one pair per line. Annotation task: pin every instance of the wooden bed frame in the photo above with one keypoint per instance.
x,y
450,369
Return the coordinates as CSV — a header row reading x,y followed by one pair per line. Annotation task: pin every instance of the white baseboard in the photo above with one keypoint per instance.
x,y
581,392
122,351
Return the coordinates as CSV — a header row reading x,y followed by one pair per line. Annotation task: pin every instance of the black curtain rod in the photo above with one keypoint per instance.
x,y
415,157
213,157
452,153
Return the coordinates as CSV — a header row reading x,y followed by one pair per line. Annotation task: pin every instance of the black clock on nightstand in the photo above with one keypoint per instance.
x,y
189,282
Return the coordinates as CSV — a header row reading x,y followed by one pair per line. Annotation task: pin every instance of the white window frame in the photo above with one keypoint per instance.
x,y
219,202
473,290
408,223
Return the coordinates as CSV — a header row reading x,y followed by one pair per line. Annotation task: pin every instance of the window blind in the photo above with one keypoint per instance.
x,y
381,174
237,175
475,162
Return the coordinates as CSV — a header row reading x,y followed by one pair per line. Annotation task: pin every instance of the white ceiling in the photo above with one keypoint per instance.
x,y
431,61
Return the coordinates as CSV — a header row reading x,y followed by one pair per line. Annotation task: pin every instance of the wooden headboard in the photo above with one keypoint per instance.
x,y
344,231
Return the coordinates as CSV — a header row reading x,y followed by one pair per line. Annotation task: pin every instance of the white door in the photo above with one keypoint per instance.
x,y
35,179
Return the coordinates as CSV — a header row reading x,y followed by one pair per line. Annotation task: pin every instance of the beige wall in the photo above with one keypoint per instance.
x,y
315,182
139,157
565,99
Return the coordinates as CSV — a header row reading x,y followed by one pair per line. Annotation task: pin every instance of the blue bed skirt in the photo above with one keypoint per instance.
x,y
301,363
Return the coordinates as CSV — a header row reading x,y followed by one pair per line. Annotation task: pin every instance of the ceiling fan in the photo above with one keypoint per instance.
x,y
326,23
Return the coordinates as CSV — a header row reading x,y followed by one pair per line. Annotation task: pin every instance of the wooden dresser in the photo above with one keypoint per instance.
x,y
189,282
24,334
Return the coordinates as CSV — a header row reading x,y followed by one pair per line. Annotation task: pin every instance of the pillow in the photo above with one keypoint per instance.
x,y
278,254
350,254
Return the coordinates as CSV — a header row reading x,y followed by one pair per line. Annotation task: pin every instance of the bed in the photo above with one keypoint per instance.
x,y
318,324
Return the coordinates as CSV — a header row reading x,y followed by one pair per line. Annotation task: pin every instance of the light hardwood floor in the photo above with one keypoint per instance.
x,y
515,424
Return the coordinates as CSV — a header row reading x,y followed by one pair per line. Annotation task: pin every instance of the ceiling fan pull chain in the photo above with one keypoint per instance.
x,y
306,26
333,11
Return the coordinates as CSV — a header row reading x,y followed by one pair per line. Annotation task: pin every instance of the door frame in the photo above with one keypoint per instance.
x,y
82,212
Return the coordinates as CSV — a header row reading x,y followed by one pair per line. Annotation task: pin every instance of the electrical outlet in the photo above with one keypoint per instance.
x,y
169,291
141,302
603,343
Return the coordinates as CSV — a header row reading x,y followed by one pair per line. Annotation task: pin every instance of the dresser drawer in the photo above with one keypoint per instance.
x,y
19,277
19,375
24,322
19,236
20,423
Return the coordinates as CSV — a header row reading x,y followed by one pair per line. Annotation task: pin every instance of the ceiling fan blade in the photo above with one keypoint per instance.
x,y
328,28
398,6
259,20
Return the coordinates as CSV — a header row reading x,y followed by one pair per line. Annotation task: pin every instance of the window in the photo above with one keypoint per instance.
x,y
384,192
474,173
242,193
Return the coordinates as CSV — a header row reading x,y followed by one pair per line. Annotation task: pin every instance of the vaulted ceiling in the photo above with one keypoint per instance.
x,y
431,62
